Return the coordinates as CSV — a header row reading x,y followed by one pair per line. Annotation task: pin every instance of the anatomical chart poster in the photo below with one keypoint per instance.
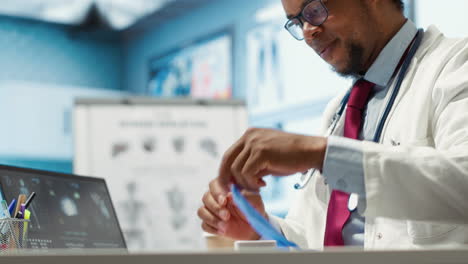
x,y
157,161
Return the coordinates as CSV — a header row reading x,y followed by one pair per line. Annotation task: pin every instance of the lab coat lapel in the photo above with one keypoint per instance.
x,y
431,37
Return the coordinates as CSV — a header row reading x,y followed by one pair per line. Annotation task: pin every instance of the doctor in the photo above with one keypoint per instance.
x,y
392,166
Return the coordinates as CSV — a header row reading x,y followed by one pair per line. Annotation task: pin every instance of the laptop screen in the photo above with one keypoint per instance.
x,y
68,211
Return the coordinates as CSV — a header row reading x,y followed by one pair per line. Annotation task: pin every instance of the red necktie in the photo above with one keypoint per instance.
x,y
338,212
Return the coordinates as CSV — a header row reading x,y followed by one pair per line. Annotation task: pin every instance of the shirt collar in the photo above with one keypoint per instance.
x,y
384,66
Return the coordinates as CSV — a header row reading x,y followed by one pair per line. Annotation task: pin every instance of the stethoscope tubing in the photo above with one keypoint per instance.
x,y
306,177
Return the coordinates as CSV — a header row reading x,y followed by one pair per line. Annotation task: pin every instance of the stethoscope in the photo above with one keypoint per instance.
x,y
305,177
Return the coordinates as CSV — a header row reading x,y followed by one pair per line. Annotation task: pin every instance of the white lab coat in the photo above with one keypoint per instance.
x,y
417,178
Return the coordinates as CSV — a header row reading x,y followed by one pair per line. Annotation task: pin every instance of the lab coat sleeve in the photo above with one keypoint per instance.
x,y
424,183
343,167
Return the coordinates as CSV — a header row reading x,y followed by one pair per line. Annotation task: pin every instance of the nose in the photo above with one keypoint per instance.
x,y
310,30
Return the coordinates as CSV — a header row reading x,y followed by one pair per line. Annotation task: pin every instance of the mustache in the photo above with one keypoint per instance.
x,y
319,45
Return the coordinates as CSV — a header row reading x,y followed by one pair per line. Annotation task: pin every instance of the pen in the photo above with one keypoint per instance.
x,y
29,200
11,207
19,202
20,226
27,216
20,214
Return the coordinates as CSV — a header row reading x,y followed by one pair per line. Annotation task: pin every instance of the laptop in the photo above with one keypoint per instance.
x,y
68,211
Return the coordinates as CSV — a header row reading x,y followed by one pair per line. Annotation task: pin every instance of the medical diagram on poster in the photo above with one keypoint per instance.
x,y
157,157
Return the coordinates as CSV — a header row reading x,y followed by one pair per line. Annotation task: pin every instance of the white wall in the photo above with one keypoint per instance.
x,y
36,118
450,16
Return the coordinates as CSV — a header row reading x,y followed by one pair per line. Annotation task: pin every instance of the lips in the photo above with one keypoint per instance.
x,y
324,52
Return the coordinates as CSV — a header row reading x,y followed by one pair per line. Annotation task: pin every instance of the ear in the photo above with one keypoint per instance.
x,y
377,7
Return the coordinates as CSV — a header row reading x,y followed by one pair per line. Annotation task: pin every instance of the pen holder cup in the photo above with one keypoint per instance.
x,y
13,234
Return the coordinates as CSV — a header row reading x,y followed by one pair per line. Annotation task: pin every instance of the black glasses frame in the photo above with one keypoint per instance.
x,y
301,17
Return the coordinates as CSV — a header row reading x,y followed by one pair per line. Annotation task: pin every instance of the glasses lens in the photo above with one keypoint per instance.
x,y
294,27
315,13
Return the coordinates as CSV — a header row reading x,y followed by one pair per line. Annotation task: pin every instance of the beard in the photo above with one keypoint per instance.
x,y
355,66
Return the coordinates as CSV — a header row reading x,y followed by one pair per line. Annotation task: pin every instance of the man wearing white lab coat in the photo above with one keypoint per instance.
x,y
412,184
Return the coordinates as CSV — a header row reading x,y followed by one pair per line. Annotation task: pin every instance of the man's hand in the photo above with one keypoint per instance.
x,y
262,152
258,153
221,216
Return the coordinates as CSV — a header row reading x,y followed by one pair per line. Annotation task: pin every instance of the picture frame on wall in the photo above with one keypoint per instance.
x,y
202,68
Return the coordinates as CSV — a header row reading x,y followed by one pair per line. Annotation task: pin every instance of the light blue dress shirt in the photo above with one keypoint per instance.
x,y
343,166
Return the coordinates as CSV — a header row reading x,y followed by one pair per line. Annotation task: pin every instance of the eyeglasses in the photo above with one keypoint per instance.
x,y
314,13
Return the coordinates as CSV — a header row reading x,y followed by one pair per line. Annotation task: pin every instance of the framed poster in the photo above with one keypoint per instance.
x,y
158,157
201,69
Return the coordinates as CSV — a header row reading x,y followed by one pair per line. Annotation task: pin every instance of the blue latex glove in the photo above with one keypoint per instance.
x,y
257,221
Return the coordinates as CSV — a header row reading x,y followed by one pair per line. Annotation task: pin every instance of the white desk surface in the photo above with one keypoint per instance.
x,y
329,257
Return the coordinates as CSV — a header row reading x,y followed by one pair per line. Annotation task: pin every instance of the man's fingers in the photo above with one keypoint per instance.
x,y
234,210
261,182
253,165
237,166
209,229
215,207
253,169
219,191
207,217
225,176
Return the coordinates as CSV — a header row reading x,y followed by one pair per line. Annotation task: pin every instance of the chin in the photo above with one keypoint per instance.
x,y
345,72
338,67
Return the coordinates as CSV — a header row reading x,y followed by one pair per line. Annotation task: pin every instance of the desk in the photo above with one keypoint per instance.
x,y
330,257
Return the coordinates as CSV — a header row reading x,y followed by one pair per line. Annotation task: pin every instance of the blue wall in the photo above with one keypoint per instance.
x,y
220,14
40,164
46,53
49,53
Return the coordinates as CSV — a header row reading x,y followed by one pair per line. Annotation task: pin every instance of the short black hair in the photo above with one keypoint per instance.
x,y
399,4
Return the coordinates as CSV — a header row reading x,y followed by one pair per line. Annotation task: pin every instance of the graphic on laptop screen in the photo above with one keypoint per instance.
x,y
67,212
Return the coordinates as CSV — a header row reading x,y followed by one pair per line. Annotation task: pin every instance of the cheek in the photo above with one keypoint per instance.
x,y
340,55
